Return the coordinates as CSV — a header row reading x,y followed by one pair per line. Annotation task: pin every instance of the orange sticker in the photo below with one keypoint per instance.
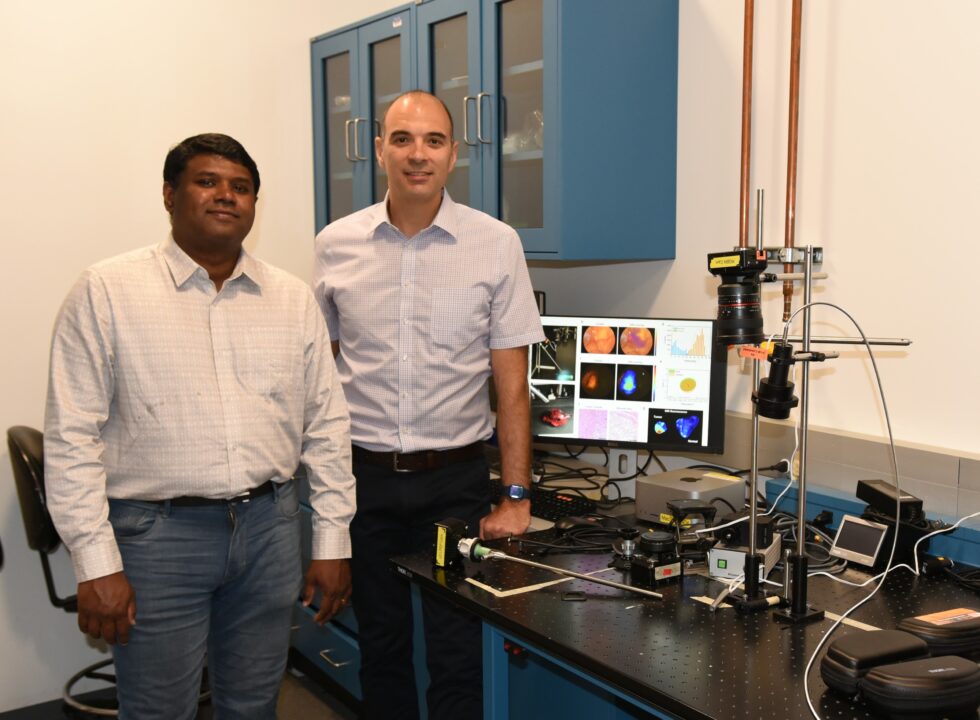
x,y
753,352
948,617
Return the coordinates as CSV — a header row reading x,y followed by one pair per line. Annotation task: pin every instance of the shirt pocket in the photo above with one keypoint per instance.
x,y
460,316
263,361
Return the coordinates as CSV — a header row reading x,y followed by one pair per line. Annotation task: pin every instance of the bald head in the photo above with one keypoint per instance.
x,y
404,101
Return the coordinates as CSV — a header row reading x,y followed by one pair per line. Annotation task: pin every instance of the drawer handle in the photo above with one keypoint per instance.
x,y
325,654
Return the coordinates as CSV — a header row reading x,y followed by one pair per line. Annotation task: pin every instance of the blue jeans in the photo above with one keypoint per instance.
x,y
216,578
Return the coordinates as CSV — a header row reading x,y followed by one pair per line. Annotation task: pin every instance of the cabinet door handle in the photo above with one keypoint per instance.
x,y
347,124
357,135
466,120
325,654
479,118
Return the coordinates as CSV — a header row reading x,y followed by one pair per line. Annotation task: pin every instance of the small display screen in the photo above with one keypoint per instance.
x,y
858,540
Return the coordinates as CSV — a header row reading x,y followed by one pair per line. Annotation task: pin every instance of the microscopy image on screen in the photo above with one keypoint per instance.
x,y
599,340
636,341
634,383
598,381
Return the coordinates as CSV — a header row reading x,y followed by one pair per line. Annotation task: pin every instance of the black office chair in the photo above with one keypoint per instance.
x,y
27,457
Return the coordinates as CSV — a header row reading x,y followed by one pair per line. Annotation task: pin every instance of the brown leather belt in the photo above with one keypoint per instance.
x,y
417,461
189,501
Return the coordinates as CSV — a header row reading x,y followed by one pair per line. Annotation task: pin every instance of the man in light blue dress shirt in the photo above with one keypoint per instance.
x,y
425,300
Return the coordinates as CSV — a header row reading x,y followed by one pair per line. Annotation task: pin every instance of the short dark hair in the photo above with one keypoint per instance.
x,y
207,144
424,93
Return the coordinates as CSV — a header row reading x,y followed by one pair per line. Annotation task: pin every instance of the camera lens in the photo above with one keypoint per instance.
x,y
739,313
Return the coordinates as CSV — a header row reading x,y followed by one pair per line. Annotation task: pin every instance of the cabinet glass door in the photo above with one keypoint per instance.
x,y
334,76
340,171
387,70
385,87
449,67
520,113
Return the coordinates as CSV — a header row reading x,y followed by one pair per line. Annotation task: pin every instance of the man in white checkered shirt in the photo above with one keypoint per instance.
x,y
425,299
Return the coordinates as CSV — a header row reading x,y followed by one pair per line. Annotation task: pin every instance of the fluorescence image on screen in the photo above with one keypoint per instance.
x,y
598,381
634,383
636,341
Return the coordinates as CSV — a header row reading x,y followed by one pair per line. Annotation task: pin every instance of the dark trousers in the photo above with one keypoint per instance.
x,y
396,513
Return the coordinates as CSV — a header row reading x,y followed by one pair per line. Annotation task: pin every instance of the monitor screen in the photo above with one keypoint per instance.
x,y
629,382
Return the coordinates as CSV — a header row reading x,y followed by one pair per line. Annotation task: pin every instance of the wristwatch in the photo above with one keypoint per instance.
x,y
516,492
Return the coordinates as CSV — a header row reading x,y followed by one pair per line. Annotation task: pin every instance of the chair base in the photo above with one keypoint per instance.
x,y
111,709
91,672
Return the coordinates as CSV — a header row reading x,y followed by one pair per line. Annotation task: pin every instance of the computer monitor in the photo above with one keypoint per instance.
x,y
657,384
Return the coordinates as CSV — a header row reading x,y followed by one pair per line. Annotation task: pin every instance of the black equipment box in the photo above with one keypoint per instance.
x,y
952,632
939,687
851,657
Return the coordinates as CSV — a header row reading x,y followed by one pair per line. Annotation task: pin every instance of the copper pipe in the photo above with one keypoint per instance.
x,y
794,128
743,193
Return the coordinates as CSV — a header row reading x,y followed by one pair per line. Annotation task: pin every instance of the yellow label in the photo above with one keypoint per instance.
x,y
668,519
724,261
440,546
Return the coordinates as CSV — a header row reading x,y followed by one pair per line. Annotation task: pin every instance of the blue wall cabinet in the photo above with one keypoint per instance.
x,y
357,72
566,116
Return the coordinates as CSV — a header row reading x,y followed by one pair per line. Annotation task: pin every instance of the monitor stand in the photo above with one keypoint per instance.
x,y
622,463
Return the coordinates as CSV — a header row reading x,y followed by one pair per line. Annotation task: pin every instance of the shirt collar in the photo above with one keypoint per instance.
x,y
183,267
446,219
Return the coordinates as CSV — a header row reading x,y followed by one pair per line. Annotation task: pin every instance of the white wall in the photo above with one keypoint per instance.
x,y
887,184
94,94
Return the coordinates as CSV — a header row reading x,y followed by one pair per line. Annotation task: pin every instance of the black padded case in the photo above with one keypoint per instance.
x,y
849,658
936,687
952,632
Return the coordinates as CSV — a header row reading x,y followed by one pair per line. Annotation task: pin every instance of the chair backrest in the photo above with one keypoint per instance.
x,y
27,456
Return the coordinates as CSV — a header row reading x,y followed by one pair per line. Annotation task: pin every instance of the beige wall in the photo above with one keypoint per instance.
x,y
94,93
888,157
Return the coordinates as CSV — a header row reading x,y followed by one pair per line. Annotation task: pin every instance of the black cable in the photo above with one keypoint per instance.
x,y
721,499
663,467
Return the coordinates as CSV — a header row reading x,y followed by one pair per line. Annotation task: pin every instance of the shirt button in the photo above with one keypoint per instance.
x,y
404,357
405,321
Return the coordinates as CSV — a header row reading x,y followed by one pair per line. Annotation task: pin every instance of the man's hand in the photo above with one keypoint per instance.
x,y
332,578
107,608
510,517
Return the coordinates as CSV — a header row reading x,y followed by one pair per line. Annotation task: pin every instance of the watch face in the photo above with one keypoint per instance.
x,y
516,492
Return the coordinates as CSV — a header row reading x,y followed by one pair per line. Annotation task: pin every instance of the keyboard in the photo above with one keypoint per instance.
x,y
549,504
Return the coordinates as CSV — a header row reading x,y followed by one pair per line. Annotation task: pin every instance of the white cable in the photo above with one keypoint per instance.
x,y
894,456
915,548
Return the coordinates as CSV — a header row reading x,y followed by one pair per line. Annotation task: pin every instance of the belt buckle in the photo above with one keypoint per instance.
x,y
394,464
